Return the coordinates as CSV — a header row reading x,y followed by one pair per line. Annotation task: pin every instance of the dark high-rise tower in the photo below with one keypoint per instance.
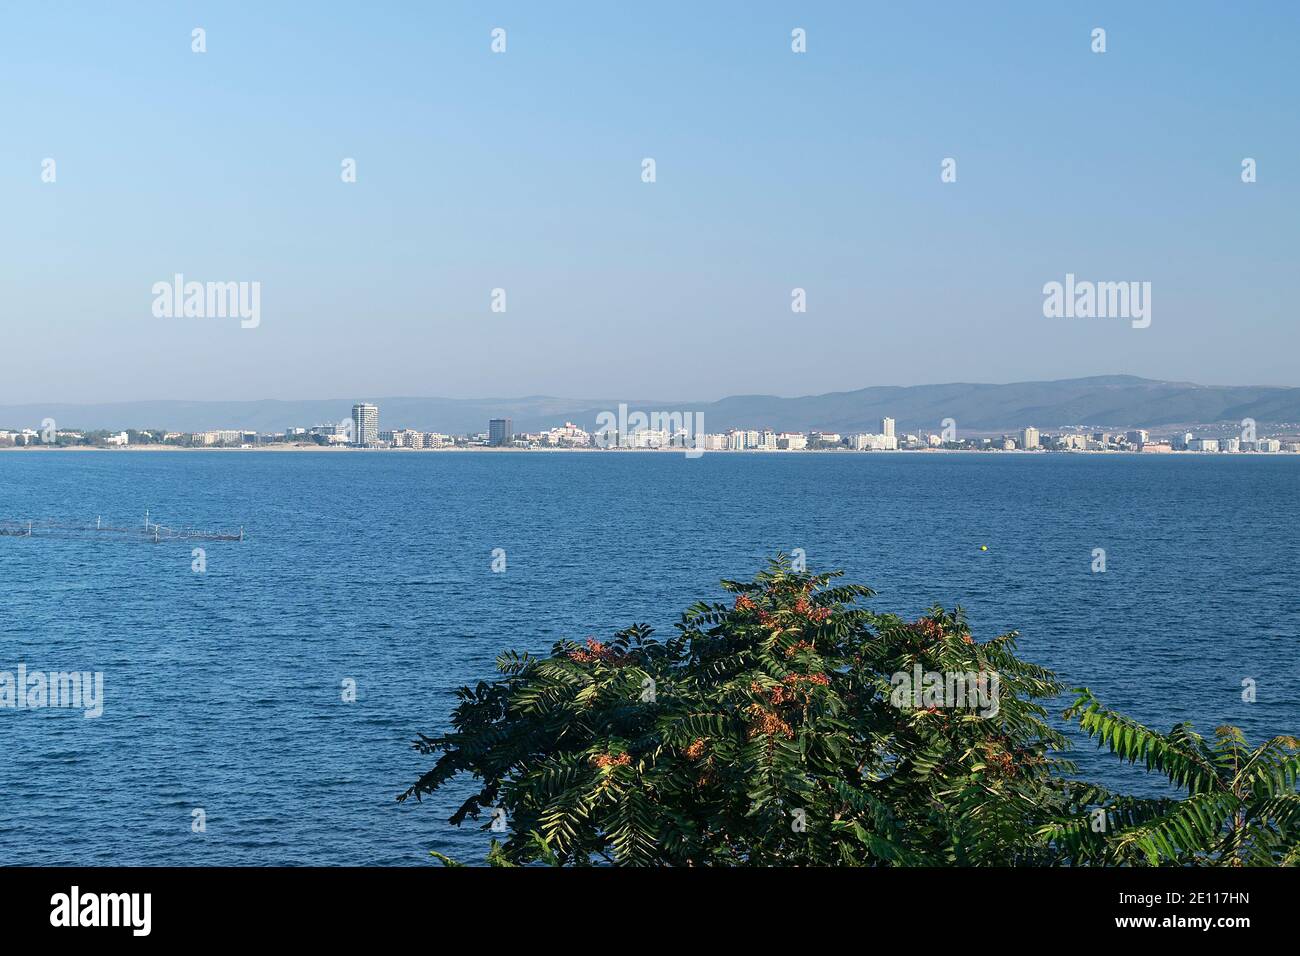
x,y
500,431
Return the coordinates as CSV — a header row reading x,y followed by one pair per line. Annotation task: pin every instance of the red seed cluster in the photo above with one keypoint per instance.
x,y
773,695
821,680
804,608
1000,761
928,628
764,721
596,651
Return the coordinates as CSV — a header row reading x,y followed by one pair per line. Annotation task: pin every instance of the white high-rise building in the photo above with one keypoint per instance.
x,y
887,427
1029,437
365,424
869,442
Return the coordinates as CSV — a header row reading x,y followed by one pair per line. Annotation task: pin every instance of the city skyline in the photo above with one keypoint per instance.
x,y
670,431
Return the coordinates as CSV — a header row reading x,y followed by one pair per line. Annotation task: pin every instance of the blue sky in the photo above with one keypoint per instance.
x,y
522,171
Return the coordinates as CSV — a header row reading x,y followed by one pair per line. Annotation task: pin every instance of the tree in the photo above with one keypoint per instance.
x,y
1241,808
792,726
777,729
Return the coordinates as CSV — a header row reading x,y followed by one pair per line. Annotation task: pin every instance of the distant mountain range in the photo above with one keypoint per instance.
x,y
1108,401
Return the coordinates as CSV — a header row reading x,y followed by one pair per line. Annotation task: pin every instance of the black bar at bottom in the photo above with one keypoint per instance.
x,y
331,905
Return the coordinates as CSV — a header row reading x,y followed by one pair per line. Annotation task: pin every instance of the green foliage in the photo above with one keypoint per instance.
x,y
1241,808
778,729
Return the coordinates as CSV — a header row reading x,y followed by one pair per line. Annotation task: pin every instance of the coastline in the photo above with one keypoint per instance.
x,y
749,452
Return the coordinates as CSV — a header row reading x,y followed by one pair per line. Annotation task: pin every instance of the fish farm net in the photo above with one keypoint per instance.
x,y
149,531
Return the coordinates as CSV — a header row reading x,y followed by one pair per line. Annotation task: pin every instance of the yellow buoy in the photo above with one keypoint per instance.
x,y
984,547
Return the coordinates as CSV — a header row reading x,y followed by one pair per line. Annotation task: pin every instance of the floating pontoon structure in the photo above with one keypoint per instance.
x,y
149,531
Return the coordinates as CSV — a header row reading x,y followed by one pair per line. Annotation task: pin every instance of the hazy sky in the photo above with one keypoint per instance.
x,y
522,171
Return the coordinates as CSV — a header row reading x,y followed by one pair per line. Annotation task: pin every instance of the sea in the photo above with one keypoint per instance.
x,y
261,710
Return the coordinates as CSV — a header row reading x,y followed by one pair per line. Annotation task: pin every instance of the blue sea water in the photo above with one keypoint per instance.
x,y
223,690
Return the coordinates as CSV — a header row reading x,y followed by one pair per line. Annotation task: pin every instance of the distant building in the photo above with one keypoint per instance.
x,y
500,432
1138,436
644,438
869,442
1029,437
365,424
569,436
887,427
329,430
403,438
1203,444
